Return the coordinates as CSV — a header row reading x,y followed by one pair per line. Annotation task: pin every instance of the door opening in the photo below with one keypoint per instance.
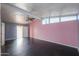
x,y
19,35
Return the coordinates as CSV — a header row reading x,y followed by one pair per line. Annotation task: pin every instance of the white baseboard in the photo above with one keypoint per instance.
x,y
52,42
62,44
10,38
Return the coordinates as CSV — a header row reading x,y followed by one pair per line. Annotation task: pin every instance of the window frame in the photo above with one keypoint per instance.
x,y
60,19
52,20
78,16
68,18
45,20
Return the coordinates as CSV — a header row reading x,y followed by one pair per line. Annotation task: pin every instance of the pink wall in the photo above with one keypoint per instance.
x,y
78,33
62,33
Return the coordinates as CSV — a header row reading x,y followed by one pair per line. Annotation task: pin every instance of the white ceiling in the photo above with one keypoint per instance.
x,y
52,9
8,13
25,6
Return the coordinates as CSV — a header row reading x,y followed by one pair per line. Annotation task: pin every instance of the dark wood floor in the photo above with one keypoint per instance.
x,y
35,47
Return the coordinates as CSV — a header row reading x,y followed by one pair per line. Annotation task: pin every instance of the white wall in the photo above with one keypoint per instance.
x,y
0,36
0,29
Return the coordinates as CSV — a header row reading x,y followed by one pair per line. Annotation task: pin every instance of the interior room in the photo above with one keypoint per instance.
x,y
39,29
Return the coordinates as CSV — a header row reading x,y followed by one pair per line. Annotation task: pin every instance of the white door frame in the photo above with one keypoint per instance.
x,y
3,33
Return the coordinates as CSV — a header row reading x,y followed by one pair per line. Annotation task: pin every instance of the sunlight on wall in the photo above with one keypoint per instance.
x,y
19,18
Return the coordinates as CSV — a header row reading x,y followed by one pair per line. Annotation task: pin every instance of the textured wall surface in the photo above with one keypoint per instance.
x,y
63,33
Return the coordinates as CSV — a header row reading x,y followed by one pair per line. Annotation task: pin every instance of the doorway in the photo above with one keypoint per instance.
x,y
22,33
19,31
25,32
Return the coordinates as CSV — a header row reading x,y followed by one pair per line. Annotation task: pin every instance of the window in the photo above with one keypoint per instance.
x,y
58,19
45,21
68,18
54,20
78,17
